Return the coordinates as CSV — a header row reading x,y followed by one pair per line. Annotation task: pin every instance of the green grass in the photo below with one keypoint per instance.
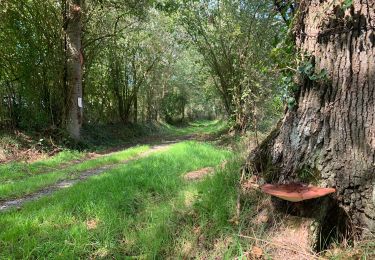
x,y
140,210
20,181
198,127
20,170
21,178
29,145
99,137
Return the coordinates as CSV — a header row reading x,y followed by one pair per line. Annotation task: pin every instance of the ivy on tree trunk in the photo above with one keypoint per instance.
x,y
330,132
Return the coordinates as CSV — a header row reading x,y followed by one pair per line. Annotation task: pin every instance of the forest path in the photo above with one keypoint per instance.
x,y
141,202
18,189
66,183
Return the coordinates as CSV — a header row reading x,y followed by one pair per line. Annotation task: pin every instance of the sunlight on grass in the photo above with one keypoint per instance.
x,y
18,170
197,127
15,184
128,211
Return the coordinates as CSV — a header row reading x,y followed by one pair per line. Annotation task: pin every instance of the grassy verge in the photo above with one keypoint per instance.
x,y
16,182
104,137
18,148
21,178
145,210
199,127
139,210
19,170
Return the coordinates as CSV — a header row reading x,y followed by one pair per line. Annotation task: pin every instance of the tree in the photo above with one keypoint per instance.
x,y
329,131
133,62
235,38
73,69
31,64
173,107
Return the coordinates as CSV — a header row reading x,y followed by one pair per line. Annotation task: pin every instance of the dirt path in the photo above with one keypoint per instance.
x,y
152,140
63,184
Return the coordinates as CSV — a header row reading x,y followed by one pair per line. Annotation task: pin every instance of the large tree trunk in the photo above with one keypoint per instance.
x,y
330,133
74,67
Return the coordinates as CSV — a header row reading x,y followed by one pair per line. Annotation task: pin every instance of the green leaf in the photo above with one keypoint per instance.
x,y
347,4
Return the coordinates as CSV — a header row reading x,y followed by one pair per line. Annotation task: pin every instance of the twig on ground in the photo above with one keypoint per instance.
x,y
238,203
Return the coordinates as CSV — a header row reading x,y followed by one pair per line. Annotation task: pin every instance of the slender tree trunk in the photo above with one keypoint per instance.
x,y
149,106
330,134
135,109
126,116
143,109
74,67
183,112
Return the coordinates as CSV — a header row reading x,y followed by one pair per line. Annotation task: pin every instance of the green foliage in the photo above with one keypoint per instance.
x,y
137,65
307,69
235,38
291,102
293,70
347,4
31,64
173,107
133,52
320,76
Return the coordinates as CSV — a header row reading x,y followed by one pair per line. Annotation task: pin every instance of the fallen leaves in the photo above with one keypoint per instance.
x,y
199,174
256,252
250,184
262,217
92,224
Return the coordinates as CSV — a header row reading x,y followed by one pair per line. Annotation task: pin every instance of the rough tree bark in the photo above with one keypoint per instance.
x,y
74,62
331,131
